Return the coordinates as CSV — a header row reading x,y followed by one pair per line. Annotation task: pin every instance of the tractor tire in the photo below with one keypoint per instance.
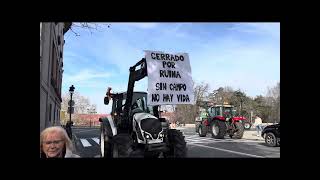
x,y
278,141
105,145
240,130
202,130
122,145
247,125
176,144
218,129
271,139
118,146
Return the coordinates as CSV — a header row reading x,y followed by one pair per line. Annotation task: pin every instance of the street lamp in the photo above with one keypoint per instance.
x,y
71,90
69,124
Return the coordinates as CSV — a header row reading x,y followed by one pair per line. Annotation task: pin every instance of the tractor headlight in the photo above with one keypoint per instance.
x,y
147,136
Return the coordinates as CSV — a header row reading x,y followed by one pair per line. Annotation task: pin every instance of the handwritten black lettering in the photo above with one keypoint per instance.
x,y
153,56
155,98
168,64
162,57
167,97
178,87
170,74
183,98
166,57
161,86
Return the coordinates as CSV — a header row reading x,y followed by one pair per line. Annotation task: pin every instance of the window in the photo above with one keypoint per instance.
x,y
218,112
211,111
50,112
58,111
40,39
140,104
54,66
54,115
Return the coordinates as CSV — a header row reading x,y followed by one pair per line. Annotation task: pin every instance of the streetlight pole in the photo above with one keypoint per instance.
x,y
70,106
71,90
69,124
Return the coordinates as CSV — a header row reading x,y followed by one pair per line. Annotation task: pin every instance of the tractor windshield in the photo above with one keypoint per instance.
x,y
141,104
228,111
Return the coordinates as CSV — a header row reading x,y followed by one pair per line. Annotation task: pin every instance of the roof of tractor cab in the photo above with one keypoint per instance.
x,y
225,105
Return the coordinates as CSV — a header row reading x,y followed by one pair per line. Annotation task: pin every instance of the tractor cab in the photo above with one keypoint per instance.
x,y
138,104
222,112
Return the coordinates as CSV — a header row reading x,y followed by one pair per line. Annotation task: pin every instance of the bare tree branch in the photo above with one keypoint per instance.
x,y
74,31
88,26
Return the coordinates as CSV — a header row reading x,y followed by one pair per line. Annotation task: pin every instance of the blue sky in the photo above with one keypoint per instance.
x,y
243,56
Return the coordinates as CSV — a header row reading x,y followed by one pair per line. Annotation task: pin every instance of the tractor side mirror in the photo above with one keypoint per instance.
x,y
106,100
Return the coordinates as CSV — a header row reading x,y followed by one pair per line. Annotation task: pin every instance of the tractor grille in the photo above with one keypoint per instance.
x,y
152,126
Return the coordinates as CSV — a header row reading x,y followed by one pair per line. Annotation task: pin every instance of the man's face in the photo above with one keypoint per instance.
x,y
53,145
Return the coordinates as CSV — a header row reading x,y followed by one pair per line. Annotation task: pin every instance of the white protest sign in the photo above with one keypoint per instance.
x,y
169,78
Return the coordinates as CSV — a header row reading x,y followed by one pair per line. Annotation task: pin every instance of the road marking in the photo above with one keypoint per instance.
x,y
195,138
96,140
226,150
85,143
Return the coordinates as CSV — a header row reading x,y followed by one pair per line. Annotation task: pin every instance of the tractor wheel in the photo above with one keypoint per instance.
x,y
202,130
176,144
239,130
122,145
271,139
247,125
218,129
105,145
278,141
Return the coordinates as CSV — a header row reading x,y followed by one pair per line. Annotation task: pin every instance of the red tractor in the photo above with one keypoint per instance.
x,y
221,121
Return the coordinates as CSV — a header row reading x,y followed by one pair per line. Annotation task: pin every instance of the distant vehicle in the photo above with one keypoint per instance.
x,y
271,135
220,121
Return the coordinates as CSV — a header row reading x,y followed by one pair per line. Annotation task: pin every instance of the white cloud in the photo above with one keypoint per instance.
x,y
85,76
272,29
141,25
145,25
113,49
230,62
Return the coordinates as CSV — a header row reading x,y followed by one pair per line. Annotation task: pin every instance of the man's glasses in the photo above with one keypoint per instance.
x,y
52,142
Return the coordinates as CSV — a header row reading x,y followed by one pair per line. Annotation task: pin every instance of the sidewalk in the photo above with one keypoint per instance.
x,y
251,134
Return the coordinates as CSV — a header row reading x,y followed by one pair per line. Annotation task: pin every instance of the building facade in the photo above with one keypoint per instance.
x,y
51,70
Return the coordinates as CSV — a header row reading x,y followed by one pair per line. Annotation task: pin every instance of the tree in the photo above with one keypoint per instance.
x,y
87,26
222,95
201,92
240,100
82,104
273,100
187,113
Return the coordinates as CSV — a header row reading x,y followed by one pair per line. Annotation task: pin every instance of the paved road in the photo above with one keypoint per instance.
x,y
87,145
87,141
